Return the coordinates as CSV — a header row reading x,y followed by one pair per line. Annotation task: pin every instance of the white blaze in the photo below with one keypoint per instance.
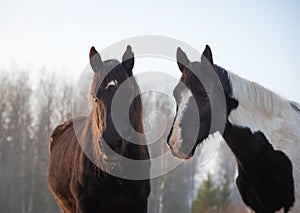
x,y
176,137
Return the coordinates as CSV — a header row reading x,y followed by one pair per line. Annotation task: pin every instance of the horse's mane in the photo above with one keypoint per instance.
x,y
251,94
295,106
138,122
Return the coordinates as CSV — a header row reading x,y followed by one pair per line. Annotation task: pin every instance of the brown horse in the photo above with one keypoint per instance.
x,y
79,167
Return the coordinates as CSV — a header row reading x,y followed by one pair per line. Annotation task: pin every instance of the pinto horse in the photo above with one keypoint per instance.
x,y
76,182
257,108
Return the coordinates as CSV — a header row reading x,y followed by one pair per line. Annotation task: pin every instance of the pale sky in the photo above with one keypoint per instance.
x,y
260,40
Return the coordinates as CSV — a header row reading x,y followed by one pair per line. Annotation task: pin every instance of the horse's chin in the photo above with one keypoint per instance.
x,y
179,154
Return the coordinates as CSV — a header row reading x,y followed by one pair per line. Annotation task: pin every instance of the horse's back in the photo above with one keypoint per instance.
x,y
63,146
61,129
58,132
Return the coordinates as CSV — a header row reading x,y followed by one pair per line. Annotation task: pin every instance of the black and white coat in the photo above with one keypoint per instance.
x,y
255,108
265,176
259,109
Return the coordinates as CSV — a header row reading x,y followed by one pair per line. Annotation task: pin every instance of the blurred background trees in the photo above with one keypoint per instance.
x,y
31,106
212,198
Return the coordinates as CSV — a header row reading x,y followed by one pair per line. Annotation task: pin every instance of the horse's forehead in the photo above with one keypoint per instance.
x,y
115,76
113,70
110,64
185,95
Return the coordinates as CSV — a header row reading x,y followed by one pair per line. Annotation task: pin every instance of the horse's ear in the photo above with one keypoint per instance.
x,y
95,60
182,60
207,54
128,60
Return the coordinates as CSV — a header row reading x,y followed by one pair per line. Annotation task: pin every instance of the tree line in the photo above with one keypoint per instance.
x,y
30,108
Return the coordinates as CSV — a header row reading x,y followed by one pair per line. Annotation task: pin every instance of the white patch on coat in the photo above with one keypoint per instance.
x,y
112,83
263,110
176,137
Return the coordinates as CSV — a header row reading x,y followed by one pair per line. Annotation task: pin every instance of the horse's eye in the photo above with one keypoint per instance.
x,y
110,89
204,95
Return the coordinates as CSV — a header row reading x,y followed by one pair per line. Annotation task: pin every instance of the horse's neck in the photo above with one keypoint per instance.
x,y
232,137
258,108
237,138
261,109
254,96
